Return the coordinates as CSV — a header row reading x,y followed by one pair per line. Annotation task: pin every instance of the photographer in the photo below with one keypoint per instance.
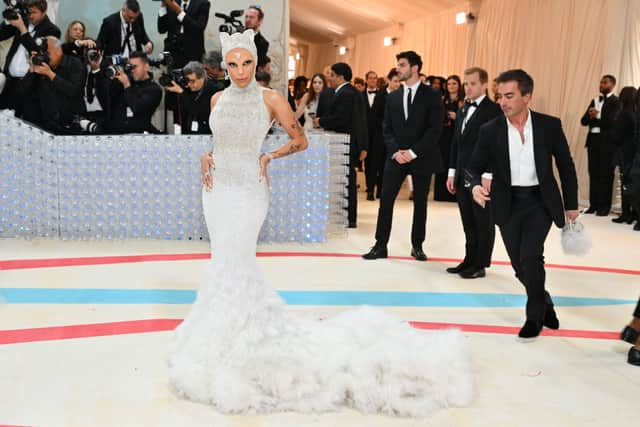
x,y
195,100
253,20
123,32
75,41
134,97
16,64
212,62
184,22
52,88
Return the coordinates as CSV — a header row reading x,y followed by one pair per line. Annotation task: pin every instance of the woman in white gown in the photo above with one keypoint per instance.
x,y
239,349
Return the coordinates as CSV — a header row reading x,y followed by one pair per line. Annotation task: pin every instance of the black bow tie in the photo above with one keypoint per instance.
x,y
470,104
602,98
371,92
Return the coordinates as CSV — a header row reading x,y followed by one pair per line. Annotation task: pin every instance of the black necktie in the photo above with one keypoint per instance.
x,y
127,41
408,101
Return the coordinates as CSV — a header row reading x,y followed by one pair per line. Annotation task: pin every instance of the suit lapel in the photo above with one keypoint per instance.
x,y
503,143
479,110
539,151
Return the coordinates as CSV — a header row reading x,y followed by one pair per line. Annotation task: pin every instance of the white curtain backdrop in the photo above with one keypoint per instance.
x,y
566,45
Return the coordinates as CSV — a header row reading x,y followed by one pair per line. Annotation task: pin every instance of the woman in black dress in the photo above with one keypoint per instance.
x,y
453,100
624,138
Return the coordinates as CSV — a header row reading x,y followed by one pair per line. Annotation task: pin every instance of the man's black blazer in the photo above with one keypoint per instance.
x,y
463,143
492,154
610,110
110,35
44,28
375,113
262,48
347,115
190,43
324,102
420,132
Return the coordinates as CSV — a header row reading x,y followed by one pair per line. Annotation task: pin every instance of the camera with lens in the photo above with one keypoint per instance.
x,y
231,22
165,62
176,75
14,9
42,54
93,55
119,64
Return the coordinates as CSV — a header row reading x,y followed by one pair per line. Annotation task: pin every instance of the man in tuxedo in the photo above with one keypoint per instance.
x,y
123,33
347,115
412,126
525,199
16,65
374,163
479,231
600,117
253,18
184,22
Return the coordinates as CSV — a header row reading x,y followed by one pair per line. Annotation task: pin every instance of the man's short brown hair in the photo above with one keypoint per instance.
x,y
41,5
484,76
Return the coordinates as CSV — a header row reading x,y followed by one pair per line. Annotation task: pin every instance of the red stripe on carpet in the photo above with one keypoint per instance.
x,y
19,264
513,330
57,333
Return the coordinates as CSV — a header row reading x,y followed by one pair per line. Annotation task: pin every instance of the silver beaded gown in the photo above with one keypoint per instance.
x,y
240,350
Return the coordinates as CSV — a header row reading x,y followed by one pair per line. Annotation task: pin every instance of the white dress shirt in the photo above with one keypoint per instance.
x,y
405,94
371,96
597,104
523,162
19,66
123,35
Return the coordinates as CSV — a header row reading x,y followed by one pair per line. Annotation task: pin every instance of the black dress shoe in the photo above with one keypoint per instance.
x,y
623,218
637,226
376,252
529,330
352,225
472,273
458,268
370,196
629,335
602,213
550,319
634,356
418,254
590,210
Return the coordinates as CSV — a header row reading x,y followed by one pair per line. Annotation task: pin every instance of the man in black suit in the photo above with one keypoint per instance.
x,y
253,17
184,22
16,65
347,115
123,33
131,98
412,126
374,163
525,199
479,231
600,117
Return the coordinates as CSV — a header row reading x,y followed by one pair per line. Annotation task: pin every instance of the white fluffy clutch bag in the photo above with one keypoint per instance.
x,y
575,239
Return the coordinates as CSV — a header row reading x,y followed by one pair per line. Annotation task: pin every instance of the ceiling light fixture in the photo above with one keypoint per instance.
x,y
342,50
